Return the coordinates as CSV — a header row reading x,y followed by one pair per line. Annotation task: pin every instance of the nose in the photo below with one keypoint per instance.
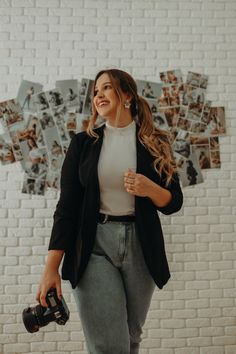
x,y
100,94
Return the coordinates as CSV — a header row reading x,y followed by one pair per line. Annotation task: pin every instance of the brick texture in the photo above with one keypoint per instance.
x,y
49,40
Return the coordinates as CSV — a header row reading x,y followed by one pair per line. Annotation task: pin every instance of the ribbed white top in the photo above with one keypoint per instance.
x,y
118,153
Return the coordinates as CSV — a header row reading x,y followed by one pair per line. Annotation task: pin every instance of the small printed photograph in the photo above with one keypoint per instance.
x,y
40,102
83,87
196,96
87,109
163,101
40,140
53,180
181,144
82,121
23,130
196,109
203,82
215,159
159,121
46,119
10,112
189,170
197,80
63,132
81,104
55,163
198,127
3,130
184,124
26,90
149,89
35,160
179,159
65,146
205,118
17,152
14,133
33,185
216,121
172,115
71,122
192,116
173,134
6,150
207,106
53,142
153,104
70,91
59,114
203,155
87,106
214,143
199,140
171,77
174,95
192,95
55,98
183,112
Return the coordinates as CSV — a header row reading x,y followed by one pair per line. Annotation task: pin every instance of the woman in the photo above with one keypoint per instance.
x,y
114,179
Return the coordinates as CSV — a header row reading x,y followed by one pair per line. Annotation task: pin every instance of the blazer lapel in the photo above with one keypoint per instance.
x,y
89,160
144,159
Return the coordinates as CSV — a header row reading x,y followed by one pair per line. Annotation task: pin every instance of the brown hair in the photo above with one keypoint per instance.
x,y
154,139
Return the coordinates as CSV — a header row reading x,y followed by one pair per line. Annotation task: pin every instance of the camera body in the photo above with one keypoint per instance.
x,y
39,316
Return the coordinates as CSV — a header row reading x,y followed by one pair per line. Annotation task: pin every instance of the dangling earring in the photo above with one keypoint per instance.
x,y
127,104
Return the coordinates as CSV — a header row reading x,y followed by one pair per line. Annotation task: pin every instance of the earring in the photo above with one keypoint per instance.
x,y
127,104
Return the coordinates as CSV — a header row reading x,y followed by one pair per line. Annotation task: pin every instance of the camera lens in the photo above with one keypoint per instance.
x,y
33,318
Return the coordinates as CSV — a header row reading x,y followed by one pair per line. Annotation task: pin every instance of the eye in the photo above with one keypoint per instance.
x,y
108,86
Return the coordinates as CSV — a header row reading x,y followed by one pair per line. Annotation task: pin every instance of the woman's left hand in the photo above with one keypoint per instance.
x,y
137,184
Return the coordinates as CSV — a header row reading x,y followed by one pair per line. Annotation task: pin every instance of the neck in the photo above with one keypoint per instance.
x,y
121,122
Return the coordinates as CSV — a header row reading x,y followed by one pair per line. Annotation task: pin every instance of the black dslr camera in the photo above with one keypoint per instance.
x,y
39,316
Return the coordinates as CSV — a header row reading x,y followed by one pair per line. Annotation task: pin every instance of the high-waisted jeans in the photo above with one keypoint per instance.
x,y
114,294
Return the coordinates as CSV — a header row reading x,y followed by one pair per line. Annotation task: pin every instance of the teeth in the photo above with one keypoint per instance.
x,y
102,104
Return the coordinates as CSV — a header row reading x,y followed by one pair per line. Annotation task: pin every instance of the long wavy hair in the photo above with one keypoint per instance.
x,y
155,140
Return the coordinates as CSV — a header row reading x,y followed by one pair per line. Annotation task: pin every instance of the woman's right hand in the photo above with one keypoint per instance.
x,y
50,279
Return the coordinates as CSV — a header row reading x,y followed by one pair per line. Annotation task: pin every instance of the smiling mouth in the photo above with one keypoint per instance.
x,y
103,104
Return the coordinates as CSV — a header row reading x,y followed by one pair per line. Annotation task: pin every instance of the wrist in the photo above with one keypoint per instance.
x,y
152,189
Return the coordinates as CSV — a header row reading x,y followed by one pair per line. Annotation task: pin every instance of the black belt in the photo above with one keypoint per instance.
x,y
103,218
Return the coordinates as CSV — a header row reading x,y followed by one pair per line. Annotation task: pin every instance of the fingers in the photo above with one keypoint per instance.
x,y
37,295
59,292
42,298
44,288
129,173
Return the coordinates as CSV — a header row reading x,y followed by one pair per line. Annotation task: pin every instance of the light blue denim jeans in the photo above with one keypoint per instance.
x,y
114,294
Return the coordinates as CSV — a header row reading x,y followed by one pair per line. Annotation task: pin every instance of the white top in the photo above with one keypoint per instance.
x,y
118,153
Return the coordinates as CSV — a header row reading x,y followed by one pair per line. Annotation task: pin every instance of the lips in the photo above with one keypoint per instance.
x,y
102,103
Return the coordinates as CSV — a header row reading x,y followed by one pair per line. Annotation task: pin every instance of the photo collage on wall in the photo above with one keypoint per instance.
x,y
194,125
37,126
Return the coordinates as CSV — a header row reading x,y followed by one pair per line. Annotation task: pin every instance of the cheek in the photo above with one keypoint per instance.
x,y
94,102
115,99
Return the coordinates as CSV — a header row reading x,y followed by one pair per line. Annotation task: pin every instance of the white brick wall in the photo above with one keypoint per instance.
x,y
49,40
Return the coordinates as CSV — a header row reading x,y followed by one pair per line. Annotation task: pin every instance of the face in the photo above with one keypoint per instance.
x,y
105,99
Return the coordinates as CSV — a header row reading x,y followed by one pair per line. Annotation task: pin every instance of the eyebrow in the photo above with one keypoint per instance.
x,y
108,82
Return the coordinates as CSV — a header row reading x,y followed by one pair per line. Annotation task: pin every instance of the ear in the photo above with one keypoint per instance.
x,y
128,97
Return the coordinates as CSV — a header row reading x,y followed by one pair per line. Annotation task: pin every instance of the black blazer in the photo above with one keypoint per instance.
x,y
76,214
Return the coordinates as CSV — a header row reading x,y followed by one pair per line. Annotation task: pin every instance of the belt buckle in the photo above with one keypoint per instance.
x,y
105,219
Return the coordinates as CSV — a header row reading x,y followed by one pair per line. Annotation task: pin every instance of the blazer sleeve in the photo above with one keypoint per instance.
x,y
65,218
176,201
